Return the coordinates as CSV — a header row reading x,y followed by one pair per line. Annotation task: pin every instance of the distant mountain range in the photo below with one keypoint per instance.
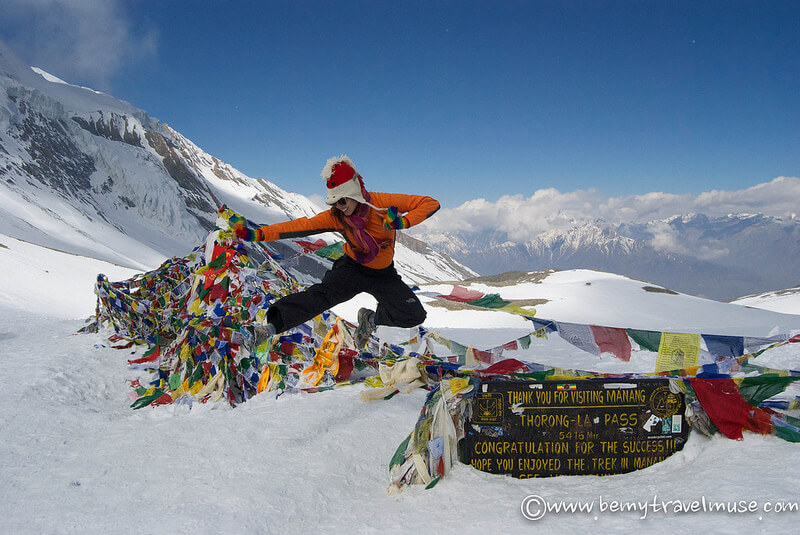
x,y
85,173
721,258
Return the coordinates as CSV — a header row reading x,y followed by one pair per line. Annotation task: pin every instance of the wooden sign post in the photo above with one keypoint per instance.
x,y
580,427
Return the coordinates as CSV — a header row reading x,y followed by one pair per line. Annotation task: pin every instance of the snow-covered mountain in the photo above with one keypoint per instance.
x,y
720,258
85,173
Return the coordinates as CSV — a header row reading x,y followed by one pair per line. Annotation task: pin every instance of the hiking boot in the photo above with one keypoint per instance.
x,y
366,326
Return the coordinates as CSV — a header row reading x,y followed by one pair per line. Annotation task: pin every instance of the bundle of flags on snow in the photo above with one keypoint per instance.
x,y
196,315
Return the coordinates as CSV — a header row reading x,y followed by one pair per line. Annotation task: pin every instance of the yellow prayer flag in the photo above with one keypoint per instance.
x,y
514,309
773,371
677,351
458,384
194,308
563,374
195,388
374,382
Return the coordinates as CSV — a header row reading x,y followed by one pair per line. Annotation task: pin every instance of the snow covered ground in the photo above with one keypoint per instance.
x,y
74,458
779,301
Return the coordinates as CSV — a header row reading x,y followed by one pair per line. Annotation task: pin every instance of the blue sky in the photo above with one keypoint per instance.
x,y
459,100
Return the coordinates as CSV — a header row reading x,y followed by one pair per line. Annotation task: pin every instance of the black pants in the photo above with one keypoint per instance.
x,y
397,304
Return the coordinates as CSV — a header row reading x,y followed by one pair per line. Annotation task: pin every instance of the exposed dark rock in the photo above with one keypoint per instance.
x,y
115,129
195,192
56,161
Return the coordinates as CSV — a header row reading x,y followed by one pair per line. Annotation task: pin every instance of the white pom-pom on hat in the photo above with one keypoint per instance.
x,y
327,171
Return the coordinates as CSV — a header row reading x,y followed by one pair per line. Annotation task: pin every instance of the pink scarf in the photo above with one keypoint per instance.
x,y
366,247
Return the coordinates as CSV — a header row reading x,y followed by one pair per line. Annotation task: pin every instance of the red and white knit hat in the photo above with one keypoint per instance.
x,y
343,180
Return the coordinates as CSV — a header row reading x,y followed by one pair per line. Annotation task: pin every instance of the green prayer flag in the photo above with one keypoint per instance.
x,y
400,453
433,483
534,376
203,293
787,434
174,381
649,340
147,400
490,301
197,374
756,389
332,251
218,262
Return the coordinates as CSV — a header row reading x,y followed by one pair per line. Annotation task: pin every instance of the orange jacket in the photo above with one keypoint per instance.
x,y
416,209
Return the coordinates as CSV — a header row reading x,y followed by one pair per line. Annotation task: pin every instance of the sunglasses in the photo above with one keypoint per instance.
x,y
342,201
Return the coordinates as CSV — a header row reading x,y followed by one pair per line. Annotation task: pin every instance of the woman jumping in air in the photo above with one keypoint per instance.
x,y
368,221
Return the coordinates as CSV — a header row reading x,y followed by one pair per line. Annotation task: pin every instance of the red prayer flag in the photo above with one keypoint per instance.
x,y
152,356
504,366
724,405
612,340
309,247
345,364
461,295
483,356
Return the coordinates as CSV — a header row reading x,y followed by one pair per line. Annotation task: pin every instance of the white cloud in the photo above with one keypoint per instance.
x,y
524,217
84,42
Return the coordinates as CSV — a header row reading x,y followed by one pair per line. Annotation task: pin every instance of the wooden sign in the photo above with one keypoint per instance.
x,y
580,427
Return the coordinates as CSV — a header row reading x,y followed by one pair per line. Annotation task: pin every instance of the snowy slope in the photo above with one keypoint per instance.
x,y
74,458
41,280
779,301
